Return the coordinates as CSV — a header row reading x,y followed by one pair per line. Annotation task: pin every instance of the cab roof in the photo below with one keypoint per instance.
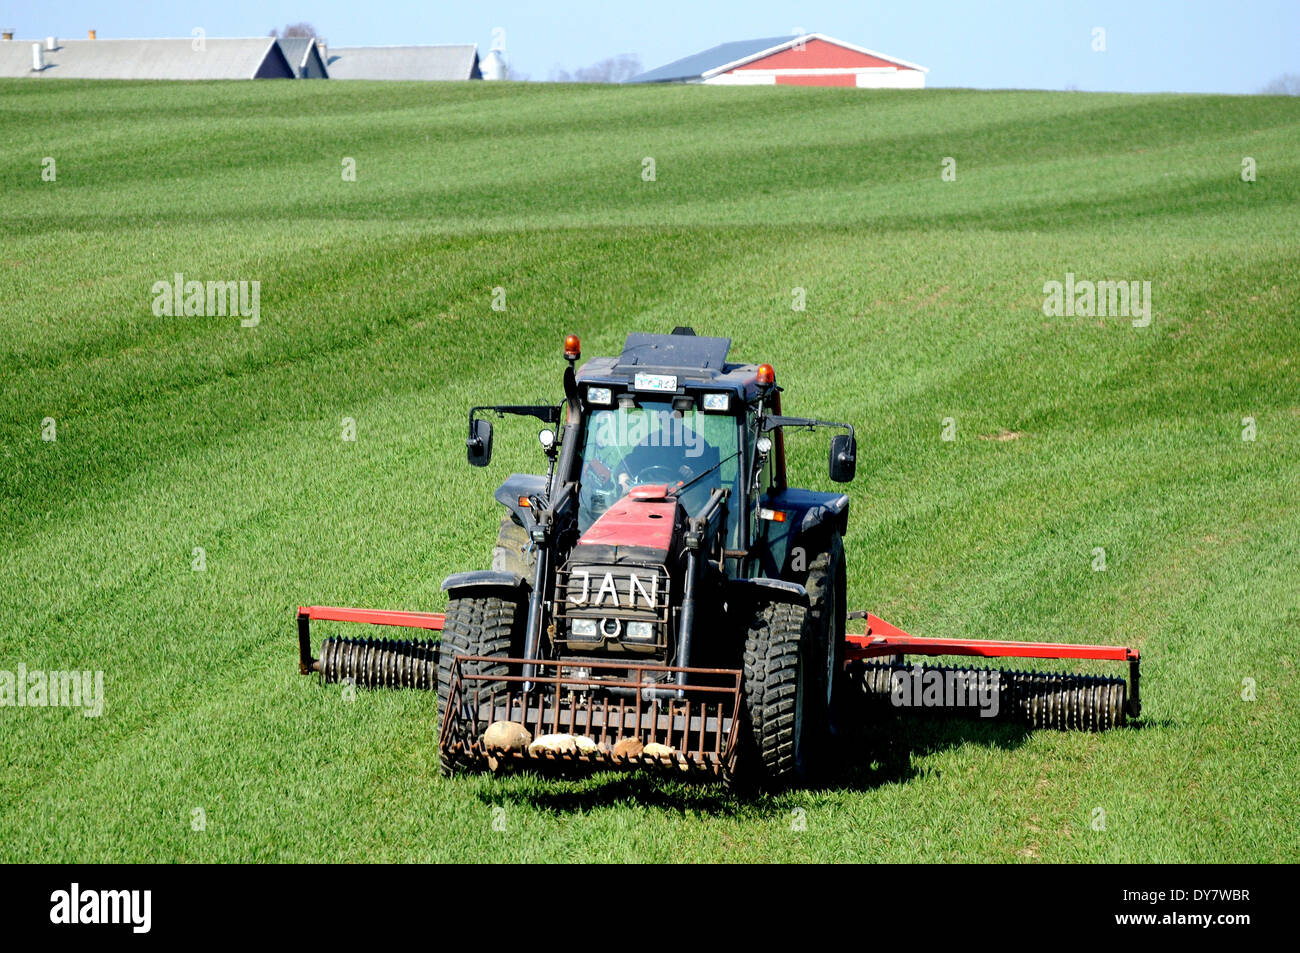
x,y
698,363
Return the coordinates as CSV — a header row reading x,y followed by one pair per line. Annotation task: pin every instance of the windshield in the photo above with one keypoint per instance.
x,y
634,446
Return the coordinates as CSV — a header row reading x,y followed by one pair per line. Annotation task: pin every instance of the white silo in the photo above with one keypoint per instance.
x,y
494,64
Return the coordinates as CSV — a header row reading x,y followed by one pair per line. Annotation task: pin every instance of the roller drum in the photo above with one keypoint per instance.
x,y
380,663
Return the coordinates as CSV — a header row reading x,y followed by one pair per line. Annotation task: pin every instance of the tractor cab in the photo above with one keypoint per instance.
x,y
670,410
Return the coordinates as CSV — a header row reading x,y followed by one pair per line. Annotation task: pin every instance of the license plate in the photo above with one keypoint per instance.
x,y
657,382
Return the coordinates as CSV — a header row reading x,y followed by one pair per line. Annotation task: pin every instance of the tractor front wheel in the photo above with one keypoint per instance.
x,y
478,625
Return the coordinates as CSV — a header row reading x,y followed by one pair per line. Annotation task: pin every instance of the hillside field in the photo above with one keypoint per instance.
x,y
1172,448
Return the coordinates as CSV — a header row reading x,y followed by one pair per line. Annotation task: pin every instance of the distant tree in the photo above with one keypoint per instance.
x,y
297,29
614,69
1288,84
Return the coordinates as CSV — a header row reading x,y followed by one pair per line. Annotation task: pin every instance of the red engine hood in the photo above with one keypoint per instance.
x,y
644,520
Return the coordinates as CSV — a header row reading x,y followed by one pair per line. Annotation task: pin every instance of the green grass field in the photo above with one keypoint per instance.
x,y
924,301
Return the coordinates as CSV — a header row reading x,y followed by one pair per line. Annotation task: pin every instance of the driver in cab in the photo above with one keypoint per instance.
x,y
640,447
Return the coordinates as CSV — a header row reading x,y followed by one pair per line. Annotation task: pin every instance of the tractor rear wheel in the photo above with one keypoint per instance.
x,y
513,550
478,625
826,610
783,698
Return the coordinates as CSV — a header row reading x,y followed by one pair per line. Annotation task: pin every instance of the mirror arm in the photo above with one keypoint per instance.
x,y
546,413
772,421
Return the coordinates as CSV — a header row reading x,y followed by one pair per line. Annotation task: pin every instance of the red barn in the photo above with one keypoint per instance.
x,y
812,59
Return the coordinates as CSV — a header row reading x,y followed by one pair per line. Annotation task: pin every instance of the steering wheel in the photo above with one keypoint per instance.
x,y
652,475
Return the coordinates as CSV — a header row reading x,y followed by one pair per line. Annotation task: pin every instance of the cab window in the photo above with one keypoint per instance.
x,y
650,443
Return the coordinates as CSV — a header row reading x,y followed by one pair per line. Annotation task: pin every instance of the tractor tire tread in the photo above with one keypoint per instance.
x,y
771,687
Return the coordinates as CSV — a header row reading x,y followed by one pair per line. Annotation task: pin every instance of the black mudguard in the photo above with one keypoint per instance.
x,y
766,589
461,584
810,515
517,486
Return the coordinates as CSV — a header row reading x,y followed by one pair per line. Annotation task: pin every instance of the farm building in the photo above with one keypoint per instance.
x,y
810,59
252,58
304,56
404,62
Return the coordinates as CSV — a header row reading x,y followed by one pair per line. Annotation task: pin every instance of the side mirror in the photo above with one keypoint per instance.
x,y
479,445
844,457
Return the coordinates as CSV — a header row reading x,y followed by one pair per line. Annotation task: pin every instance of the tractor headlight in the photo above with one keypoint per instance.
x,y
600,395
641,630
717,402
584,629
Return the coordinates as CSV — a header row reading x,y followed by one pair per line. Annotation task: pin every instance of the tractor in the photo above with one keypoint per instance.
x,y
661,598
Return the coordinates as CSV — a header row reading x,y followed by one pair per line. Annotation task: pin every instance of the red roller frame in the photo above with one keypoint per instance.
x,y
413,620
410,620
880,639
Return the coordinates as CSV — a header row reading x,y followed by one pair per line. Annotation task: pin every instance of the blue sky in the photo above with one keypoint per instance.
x,y
1151,45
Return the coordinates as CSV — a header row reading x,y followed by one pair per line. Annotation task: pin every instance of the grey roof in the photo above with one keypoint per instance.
x,y
304,56
697,64
404,62
693,360
685,351
256,57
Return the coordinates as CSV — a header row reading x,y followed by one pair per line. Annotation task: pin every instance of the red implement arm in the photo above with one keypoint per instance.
x,y
413,620
881,638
